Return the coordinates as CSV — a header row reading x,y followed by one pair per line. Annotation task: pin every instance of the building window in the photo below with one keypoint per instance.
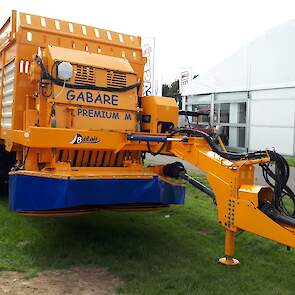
x,y
202,119
237,137
241,136
224,112
224,135
242,112
232,117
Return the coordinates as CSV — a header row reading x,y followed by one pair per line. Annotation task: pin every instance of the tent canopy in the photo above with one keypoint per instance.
x,y
267,62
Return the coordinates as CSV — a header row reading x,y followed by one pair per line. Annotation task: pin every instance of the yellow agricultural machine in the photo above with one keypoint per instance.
x,y
75,129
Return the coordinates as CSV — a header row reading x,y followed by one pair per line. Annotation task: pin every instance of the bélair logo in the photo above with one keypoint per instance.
x,y
79,139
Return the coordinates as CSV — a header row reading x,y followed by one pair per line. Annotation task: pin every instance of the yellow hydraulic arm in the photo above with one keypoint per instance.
x,y
242,205
238,199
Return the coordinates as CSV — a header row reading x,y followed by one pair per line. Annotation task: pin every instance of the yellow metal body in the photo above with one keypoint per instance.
x,y
92,109
159,113
43,139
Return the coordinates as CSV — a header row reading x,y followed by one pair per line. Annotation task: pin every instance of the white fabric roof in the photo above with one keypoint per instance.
x,y
267,62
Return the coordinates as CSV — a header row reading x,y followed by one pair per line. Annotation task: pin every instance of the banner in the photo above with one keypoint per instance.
x,y
185,78
148,49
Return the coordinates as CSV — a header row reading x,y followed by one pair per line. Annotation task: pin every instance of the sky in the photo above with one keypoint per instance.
x,y
196,34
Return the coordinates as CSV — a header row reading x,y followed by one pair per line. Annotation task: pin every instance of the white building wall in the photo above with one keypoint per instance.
x,y
281,139
199,99
231,96
272,120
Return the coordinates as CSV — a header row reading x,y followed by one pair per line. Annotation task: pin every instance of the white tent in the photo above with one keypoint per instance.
x,y
267,62
263,74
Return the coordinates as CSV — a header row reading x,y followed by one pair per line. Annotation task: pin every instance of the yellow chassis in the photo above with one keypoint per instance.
x,y
232,182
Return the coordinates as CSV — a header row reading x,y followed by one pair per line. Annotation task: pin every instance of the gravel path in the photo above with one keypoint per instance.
x,y
74,281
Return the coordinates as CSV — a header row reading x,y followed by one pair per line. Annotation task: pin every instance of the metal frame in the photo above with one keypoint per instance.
x,y
46,151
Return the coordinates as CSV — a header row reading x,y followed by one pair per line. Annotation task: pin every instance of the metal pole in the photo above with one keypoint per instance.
x,y
212,110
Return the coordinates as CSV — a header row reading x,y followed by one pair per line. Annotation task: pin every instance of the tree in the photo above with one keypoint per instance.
x,y
165,90
171,90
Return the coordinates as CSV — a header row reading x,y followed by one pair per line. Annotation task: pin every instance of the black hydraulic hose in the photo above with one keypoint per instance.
x,y
276,215
279,177
47,75
197,185
91,87
279,183
177,170
158,151
215,148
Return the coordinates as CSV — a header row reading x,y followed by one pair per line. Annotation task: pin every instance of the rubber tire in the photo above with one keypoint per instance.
x,y
7,161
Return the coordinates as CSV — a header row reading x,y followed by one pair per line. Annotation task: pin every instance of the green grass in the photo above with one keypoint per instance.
x,y
291,161
173,251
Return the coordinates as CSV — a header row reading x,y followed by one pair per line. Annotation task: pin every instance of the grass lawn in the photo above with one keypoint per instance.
x,y
291,161
173,251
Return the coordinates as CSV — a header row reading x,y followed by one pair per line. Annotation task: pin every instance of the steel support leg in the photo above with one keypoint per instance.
x,y
229,260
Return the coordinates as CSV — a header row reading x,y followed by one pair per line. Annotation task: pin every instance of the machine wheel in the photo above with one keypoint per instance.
x,y
7,160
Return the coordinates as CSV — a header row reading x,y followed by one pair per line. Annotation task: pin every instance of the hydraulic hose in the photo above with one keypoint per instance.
x,y
277,179
276,215
47,75
91,87
177,170
197,185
